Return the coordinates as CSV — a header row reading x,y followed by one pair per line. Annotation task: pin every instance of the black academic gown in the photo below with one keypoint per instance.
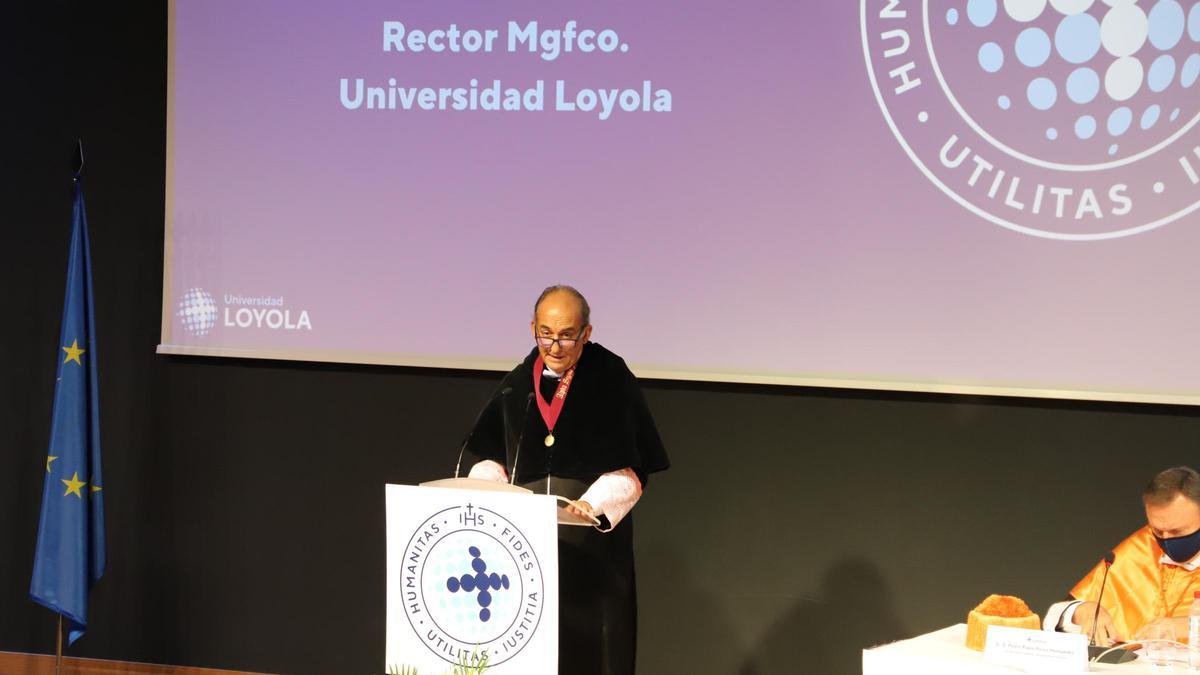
x,y
604,426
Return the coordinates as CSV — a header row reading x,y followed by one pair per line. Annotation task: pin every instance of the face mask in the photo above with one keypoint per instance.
x,y
1181,549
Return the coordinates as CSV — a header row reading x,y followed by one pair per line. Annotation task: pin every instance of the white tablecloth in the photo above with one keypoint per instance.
x,y
943,652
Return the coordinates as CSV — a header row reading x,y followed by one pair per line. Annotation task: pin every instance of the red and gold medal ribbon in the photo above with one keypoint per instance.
x,y
550,411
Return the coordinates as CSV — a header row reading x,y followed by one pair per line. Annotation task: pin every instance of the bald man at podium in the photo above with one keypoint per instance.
x,y
571,420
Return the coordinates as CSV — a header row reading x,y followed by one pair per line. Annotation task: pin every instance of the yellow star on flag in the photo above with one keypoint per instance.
x,y
95,488
49,458
73,352
73,485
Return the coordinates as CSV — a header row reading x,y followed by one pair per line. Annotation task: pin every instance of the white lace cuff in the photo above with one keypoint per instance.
x,y
614,494
1060,617
489,470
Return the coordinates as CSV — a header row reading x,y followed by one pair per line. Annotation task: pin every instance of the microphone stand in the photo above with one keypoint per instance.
x,y
471,434
1105,654
477,483
512,475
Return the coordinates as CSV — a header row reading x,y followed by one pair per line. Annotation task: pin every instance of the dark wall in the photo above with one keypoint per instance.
x,y
244,499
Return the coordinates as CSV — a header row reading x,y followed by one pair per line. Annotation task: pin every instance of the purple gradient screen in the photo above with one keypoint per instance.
x,y
967,194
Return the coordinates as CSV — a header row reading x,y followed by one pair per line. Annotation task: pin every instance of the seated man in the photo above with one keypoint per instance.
x,y
1154,575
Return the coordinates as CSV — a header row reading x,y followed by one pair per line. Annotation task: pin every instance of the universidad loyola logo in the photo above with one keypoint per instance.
x,y
199,313
1067,119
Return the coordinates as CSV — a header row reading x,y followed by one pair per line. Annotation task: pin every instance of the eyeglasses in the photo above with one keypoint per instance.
x,y
548,342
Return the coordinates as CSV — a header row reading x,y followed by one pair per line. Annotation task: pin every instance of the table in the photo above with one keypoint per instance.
x,y
943,652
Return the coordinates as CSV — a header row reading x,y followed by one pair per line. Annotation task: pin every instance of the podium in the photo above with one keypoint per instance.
x,y
472,574
565,517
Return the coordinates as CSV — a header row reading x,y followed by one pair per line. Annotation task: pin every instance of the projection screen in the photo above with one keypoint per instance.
x,y
969,196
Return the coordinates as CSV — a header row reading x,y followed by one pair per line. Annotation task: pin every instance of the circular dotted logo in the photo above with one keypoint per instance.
x,y
472,585
1067,119
197,311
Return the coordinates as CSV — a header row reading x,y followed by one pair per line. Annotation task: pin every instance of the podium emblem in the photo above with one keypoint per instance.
x,y
470,581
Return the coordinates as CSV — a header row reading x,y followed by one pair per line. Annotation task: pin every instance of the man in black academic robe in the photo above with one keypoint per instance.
x,y
600,445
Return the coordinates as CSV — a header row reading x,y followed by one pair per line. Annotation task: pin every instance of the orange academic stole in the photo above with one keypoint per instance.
x,y
1140,588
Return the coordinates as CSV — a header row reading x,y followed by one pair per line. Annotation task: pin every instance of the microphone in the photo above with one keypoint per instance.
x,y
1102,654
512,476
470,434
1108,561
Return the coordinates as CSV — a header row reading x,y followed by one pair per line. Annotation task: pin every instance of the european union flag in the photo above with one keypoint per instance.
x,y
70,545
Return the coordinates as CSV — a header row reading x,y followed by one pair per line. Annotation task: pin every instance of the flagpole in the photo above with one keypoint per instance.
x,y
69,557
58,651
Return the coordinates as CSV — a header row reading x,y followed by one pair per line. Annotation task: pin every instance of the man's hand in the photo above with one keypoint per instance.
x,y
1106,631
583,509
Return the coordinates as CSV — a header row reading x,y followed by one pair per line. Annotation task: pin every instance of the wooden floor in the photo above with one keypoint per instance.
x,y
14,663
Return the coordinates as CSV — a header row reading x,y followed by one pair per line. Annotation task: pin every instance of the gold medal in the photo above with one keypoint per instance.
x,y
549,440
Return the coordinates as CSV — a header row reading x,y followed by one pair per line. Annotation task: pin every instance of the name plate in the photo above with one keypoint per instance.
x,y
1035,651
